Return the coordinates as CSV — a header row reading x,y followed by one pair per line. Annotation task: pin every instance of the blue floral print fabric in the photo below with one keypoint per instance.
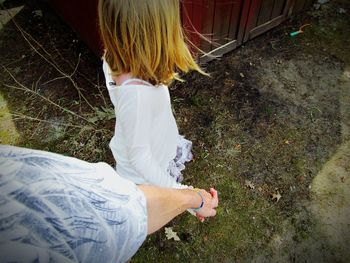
x,y
60,209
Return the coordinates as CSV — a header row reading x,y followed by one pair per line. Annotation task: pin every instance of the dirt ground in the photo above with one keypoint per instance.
x,y
270,129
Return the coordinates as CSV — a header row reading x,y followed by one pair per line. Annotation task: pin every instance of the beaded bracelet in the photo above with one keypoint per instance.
x,y
197,191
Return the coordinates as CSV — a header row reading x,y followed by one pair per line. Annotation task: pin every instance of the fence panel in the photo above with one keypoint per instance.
x,y
226,23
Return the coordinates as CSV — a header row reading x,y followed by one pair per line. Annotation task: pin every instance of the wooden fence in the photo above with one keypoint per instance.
x,y
226,23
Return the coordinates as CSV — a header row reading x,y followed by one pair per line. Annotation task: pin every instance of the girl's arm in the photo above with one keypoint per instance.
x,y
147,167
163,204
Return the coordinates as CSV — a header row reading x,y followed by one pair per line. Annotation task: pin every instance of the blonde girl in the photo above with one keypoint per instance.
x,y
144,48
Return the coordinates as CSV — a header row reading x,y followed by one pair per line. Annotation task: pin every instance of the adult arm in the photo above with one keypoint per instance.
x,y
163,204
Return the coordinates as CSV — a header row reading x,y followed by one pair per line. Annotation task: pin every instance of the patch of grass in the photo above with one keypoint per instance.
x,y
239,134
330,36
243,225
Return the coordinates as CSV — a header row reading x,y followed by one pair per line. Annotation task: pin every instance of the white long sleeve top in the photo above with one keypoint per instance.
x,y
146,134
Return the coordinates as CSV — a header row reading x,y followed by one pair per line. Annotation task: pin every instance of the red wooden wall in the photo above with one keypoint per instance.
x,y
225,23
82,17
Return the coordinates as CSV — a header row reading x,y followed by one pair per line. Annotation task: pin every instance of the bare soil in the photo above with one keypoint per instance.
x,y
273,119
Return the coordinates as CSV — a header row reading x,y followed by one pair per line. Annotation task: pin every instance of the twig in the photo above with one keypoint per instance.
x,y
100,91
26,35
72,66
24,88
37,127
22,116
52,80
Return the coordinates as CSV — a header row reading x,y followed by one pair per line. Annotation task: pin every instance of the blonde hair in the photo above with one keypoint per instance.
x,y
144,37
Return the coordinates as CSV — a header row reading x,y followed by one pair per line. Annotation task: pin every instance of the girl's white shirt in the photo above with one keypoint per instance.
x,y
146,133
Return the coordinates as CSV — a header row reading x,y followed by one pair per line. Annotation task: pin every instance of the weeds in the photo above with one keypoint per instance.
x,y
81,134
238,134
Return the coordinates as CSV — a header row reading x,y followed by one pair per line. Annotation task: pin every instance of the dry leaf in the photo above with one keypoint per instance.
x,y
238,147
169,233
249,184
242,75
276,196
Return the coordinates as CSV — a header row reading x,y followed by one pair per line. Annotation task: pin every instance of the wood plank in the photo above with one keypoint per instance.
x,y
84,23
308,4
207,26
186,13
218,52
198,17
298,6
222,21
278,8
243,23
288,9
252,17
265,27
236,12
265,12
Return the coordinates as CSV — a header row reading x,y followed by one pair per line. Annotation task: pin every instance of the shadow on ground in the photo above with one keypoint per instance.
x,y
270,129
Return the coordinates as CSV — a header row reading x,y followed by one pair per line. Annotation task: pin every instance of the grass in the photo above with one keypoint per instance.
x,y
239,134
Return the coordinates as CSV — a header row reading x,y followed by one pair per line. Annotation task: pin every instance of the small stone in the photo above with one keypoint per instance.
x,y
317,6
242,75
341,11
322,1
38,13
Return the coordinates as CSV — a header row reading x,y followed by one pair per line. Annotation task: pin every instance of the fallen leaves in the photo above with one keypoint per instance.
x,y
171,234
263,189
277,196
249,184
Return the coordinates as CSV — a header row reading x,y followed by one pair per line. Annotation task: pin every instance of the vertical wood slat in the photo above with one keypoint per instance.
x,y
193,13
298,6
252,17
85,23
222,21
265,11
186,13
278,8
207,25
308,3
243,23
198,15
236,16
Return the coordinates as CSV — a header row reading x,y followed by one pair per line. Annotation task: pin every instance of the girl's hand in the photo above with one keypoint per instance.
x,y
211,202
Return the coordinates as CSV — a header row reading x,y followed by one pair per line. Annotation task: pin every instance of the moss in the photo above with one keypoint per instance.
x,y
8,131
